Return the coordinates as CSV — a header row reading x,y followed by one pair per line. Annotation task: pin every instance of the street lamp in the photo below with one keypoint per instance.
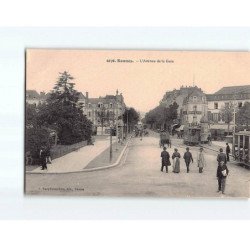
x,y
111,149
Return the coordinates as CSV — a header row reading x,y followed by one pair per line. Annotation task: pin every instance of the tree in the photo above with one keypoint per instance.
x,y
243,115
62,112
227,114
130,116
102,116
162,116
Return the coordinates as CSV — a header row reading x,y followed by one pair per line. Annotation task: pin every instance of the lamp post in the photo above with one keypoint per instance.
x,y
110,148
127,124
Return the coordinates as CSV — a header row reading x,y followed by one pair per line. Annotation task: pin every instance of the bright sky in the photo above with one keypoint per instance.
x,y
142,84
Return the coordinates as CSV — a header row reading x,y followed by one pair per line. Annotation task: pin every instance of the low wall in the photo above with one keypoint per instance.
x,y
60,150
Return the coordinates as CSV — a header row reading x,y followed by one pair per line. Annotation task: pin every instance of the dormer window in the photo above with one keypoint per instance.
x,y
111,105
194,98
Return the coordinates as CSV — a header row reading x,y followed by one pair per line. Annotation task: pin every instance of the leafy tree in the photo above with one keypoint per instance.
x,y
103,116
35,138
162,116
62,112
131,116
227,114
243,115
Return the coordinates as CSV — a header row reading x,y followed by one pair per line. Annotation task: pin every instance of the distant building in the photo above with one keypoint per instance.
x,y
192,103
32,97
104,111
194,107
226,96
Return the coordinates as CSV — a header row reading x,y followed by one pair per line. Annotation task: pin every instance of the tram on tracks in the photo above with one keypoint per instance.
x,y
196,134
241,148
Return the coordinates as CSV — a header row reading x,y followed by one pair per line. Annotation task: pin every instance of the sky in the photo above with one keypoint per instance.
x,y
142,83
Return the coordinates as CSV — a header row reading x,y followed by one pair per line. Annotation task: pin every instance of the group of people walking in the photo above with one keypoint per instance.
x,y
176,160
222,159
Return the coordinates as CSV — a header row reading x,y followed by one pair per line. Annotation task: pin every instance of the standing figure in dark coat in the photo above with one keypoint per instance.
x,y
188,158
222,173
228,150
221,157
43,158
165,162
176,161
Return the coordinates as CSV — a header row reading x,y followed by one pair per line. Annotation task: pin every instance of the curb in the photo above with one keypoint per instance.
x,y
91,169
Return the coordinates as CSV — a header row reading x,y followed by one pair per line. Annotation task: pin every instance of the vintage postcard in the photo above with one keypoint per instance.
x,y
136,123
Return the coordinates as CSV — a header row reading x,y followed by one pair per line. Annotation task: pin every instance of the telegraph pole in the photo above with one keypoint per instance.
x,y
127,122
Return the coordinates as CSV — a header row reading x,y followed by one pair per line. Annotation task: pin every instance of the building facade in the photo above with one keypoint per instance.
x,y
191,101
105,111
194,107
226,97
35,98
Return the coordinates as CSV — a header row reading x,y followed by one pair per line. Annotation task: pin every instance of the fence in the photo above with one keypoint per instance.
x,y
60,150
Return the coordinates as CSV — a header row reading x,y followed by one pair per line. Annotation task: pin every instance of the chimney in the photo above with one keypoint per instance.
x,y
87,95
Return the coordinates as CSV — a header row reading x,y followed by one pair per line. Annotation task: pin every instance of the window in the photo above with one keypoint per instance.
x,y
240,104
89,114
215,117
100,105
226,105
216,105
194,98
89,105
111,105
194,108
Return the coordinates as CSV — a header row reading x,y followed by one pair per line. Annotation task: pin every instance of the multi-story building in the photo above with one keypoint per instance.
x,y
194,107
104,111
32,97
191,101
234,96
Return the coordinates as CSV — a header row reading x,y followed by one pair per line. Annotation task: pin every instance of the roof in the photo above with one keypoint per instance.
x,y
81,96
102,100
244,89
32,94
243,133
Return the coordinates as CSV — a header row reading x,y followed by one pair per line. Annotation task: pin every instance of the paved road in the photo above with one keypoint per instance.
x,y
140,175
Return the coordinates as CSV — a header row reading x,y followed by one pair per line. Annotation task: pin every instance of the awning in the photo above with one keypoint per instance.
x,y
221,127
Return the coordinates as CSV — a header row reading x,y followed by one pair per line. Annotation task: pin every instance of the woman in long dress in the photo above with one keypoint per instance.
x,y
176,161
201,160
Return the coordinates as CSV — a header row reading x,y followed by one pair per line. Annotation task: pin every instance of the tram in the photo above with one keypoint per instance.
x,y
192,135
195,134
241,148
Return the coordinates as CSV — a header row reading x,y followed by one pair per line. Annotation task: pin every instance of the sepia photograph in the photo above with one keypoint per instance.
x,y
137,123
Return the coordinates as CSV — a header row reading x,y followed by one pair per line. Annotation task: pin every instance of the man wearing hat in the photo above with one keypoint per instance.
x,y
222,173
188,158
221,157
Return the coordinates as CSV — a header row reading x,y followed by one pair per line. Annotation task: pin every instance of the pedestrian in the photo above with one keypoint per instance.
x,y
48,155
176,161
222,173
228,150
209,139
165,162
43,159
188,158
201,160
221,157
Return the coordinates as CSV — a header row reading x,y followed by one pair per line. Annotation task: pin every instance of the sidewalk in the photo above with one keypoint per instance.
x,y
77,160
216,145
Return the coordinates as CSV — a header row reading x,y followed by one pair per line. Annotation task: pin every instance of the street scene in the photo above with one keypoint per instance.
x,y
176,140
